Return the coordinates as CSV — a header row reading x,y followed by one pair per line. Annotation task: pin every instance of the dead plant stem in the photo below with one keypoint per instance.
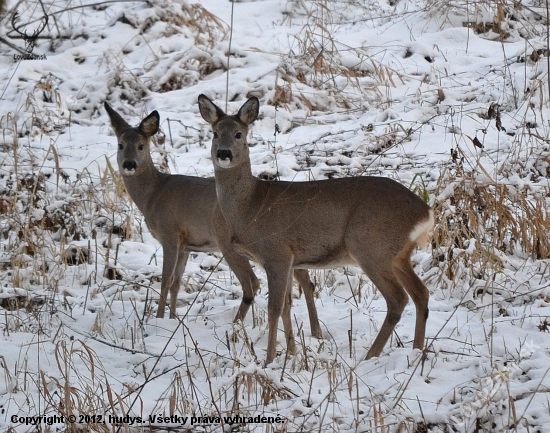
x,y
229,56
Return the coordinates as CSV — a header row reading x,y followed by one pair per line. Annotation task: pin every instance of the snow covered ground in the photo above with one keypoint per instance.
x,y
450,98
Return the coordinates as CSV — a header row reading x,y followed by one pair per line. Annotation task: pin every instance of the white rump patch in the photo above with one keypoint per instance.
x,y
419,235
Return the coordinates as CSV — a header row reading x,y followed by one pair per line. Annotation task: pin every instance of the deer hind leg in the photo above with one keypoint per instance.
x,y
287,320
395,296
302,277
278,279
417,291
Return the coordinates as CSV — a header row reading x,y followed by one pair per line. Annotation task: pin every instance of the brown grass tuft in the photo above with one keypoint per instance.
x,y
479,219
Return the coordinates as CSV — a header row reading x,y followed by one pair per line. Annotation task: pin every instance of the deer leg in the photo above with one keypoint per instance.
x,y
396,300
417,291
163,288
302,277
287,321
181,261
249,282
169,263
278,277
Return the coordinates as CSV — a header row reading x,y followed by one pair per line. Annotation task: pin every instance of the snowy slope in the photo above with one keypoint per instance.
x,y
449,98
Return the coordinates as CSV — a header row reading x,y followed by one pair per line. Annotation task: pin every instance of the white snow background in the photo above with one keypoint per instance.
x,y
450,98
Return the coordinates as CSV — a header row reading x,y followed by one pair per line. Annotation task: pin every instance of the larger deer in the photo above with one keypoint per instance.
x,y
182,214
374,222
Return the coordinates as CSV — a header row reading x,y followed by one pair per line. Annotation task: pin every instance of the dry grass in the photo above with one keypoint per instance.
x,y
479,221
192,65
496,20
49,223
319,72
207,28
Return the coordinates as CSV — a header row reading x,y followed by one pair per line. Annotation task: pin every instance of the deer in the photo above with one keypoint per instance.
x,y
372,222
182,213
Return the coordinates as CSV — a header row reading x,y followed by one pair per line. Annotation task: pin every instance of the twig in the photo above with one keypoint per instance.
x,y
97,4
229,56
99,340
15,47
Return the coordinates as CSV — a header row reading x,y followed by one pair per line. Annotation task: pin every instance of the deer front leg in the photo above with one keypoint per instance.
x,y
249,282
278,280
181,262
170,279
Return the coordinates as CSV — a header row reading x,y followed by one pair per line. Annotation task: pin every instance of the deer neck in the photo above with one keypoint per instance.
x,y
235,188
143,186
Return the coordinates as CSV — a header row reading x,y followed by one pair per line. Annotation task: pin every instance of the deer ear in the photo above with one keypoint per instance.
x,y
209,111
150,125
249,111
117,122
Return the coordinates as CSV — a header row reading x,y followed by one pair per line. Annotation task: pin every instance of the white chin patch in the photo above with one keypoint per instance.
x,y
224,162
129,172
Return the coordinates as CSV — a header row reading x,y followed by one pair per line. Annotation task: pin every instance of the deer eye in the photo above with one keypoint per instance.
x,y
215,135
141,146
120,146
238,135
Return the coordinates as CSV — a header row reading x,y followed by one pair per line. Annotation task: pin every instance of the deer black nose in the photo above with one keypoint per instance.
x,y
224,155
129,165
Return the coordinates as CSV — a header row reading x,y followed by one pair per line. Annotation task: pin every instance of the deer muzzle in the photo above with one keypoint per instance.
x,y
129,167
225,157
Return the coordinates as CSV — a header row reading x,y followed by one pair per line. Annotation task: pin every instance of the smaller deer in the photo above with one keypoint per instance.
x,y
374,222
183,215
